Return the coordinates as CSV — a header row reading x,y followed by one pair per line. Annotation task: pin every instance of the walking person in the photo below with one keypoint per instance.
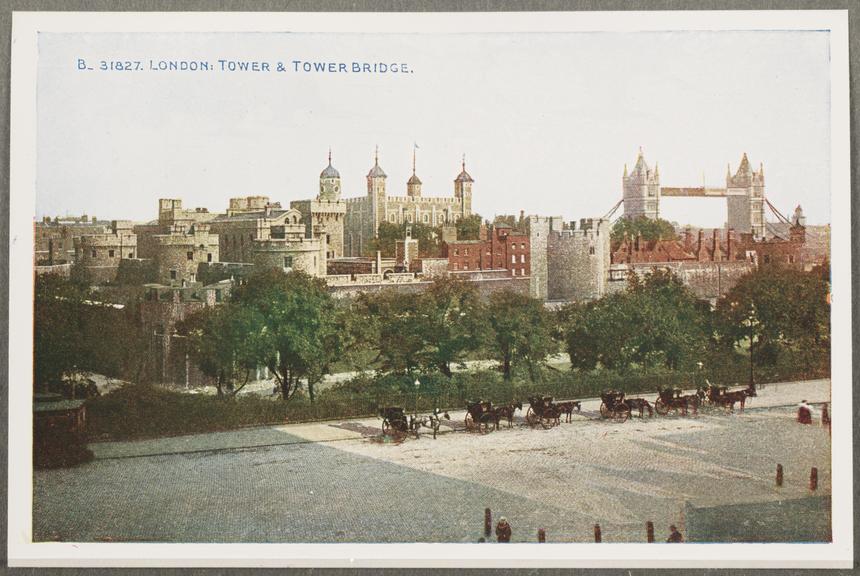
x,y
503,530
675,535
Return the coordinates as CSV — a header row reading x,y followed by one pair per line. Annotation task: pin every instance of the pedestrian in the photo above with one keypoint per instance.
x,y
804,413
825,416
503,530
674,535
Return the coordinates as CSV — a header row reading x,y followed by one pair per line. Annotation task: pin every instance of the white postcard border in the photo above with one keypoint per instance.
x,y
23,552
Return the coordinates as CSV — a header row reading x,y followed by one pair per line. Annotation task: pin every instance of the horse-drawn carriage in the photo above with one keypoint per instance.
x,y
613,406
720,396
669,399
480,416
395,422
543,411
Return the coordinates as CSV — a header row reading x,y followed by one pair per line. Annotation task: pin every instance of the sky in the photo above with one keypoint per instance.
x,y
546,121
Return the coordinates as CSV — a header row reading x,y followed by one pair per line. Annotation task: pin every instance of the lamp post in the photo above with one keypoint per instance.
x,y
417,386
750,323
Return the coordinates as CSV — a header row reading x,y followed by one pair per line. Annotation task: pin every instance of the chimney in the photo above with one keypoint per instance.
x,y
688,239
716,250
729,246
701,255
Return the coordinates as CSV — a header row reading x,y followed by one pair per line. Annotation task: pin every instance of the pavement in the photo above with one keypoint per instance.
x,y
340,482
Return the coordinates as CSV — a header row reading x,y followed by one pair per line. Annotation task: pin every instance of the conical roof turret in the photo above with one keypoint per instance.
x,y
463,176
376,171
329,171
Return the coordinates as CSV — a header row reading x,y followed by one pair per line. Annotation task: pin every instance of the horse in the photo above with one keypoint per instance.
x,y
639,404
567,409
432,421
690,401
728,399
506,411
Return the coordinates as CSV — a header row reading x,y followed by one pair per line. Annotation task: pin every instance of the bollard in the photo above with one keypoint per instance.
x,y
649,531
541,535
779,474
488,522
813,479
598,537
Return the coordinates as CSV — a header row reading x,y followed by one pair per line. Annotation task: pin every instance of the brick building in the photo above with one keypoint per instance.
x,y
502,248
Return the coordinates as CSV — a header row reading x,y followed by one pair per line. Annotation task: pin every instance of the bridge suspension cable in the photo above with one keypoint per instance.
x,y
777,213
612,211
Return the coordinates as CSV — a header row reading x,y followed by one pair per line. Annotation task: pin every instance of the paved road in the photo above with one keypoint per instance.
x,y
334,482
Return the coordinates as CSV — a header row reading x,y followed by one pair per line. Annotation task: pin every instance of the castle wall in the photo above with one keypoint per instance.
x,y
307,255
324,217
707,280
179,254
578,262
100,254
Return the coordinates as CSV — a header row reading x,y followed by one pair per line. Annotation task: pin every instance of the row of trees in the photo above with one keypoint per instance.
x,y
292,325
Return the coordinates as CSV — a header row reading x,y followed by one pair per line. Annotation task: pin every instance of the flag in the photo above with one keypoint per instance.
x,y
416,145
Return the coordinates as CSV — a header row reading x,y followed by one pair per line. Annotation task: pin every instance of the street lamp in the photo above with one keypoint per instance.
x,y
417,386
750,323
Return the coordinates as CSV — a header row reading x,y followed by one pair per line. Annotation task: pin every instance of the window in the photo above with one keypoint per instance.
x,y
791,259
591,250
465,251
173,274
209,257
110,253
456,266
93,253
189,255
513,258
522,258
522,271
288,261
767,258
465,266
426,218
392,218
523,246
131,254
456,251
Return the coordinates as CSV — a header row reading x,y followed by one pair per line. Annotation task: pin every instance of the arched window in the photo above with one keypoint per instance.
x,y
426,218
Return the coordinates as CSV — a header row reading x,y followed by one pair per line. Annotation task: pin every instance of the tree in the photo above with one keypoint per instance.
x,y
778,310
521,332
388,234
469,228
656,321
297,323
450,322
60,329
225,344
391,327
651,229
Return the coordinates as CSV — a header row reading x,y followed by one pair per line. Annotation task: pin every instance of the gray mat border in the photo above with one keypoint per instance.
x,y
8,6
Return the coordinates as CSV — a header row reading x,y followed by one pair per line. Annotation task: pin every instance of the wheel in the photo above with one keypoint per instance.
x,y
470,422
661,407
604,410
621,415
487,425
531,418
547,421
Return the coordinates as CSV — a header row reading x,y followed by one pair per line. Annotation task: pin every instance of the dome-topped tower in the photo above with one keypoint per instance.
x,y
329,182
463,189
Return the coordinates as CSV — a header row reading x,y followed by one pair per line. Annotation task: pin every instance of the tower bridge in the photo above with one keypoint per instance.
x,y
744,193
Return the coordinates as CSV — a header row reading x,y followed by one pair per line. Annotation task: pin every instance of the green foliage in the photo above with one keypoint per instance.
x,y
469,228
651,229
293,324
388,234
656,322
521,332
74,333
778,311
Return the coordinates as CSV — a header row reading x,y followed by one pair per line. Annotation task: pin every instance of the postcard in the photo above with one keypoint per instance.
x,y
440,290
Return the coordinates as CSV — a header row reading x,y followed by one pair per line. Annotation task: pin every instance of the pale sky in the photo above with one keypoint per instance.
x,y
547,121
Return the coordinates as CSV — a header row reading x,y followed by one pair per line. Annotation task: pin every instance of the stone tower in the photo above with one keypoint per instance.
x,y
463,190
641,190
376,195
413,185
745,196
329,182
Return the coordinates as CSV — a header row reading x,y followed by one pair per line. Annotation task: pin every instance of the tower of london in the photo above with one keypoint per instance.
x,y
364,214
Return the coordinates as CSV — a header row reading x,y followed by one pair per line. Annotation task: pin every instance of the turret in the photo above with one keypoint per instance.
x,y
329,182
463,189
641,190
413,185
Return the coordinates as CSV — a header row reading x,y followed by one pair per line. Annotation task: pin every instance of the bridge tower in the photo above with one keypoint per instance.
x,y
745,199
641,190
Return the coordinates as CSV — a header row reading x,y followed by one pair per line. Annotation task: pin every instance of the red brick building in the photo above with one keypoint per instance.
x,y
501,248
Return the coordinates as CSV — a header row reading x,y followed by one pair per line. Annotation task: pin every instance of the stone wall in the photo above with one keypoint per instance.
x,y
179,254
707,280
211,272
578,261
538,229
306,255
